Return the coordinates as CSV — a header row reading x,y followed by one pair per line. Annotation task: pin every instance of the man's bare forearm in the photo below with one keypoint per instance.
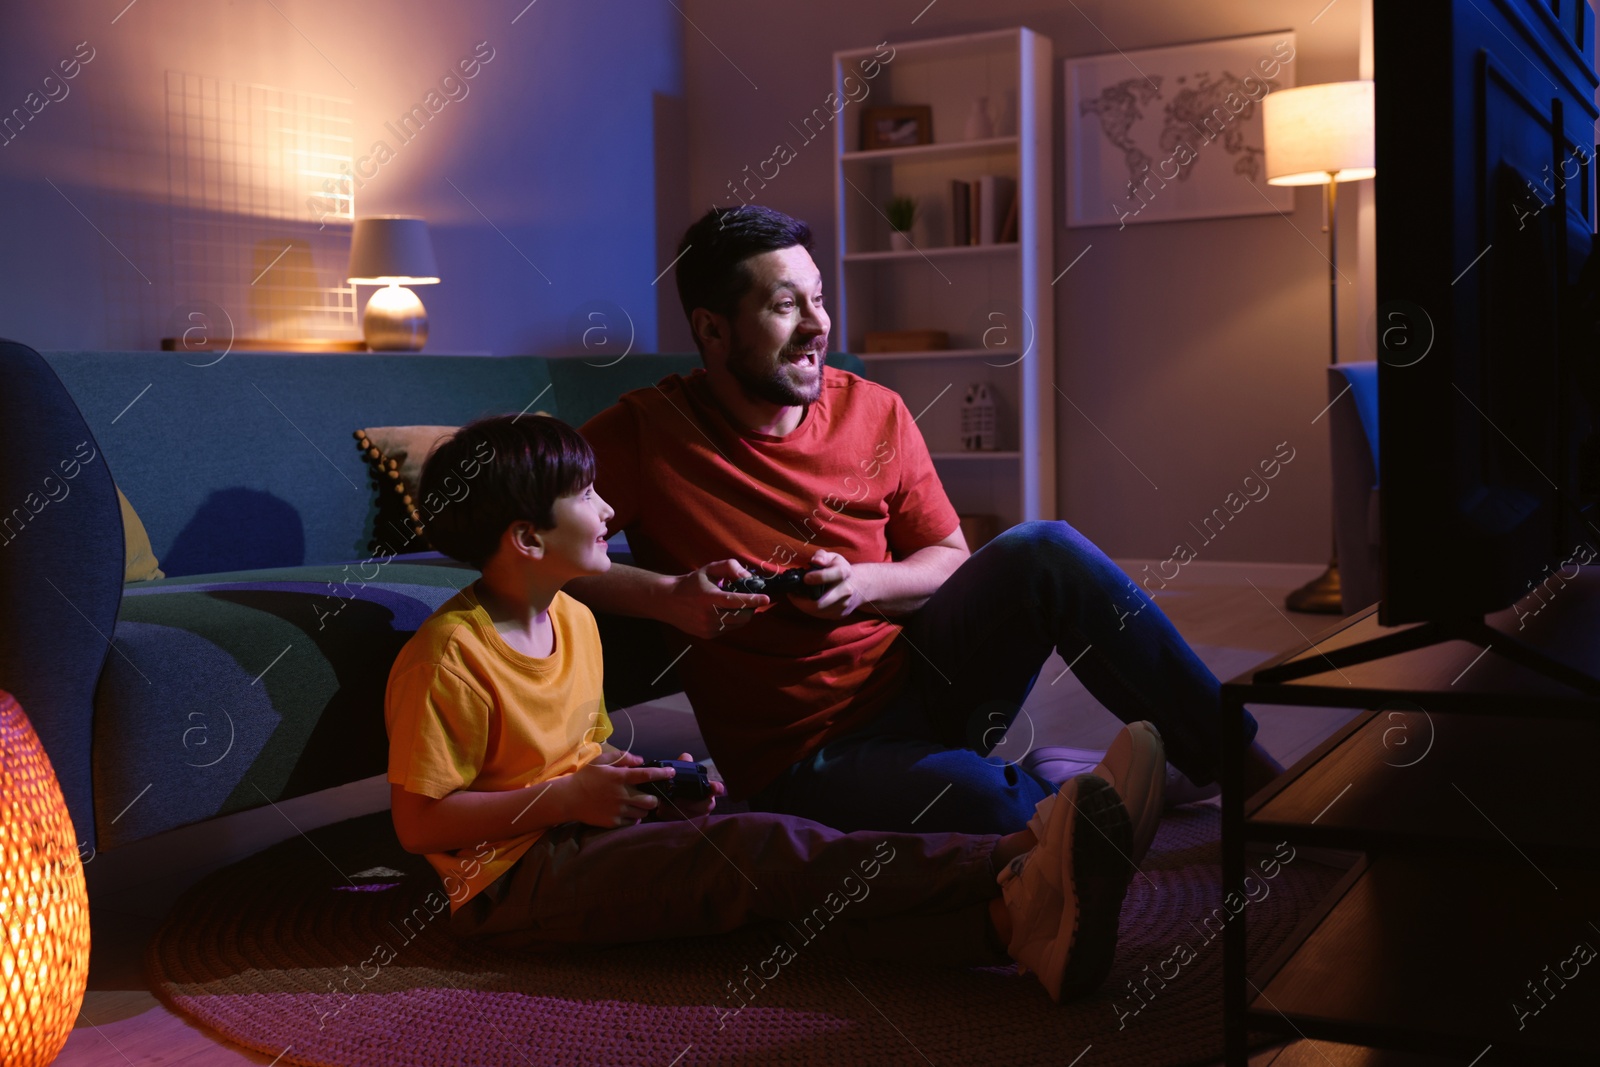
x,y
901,587
624,590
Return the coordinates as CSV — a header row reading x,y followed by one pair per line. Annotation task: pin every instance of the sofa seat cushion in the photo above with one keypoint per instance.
x,y
225,691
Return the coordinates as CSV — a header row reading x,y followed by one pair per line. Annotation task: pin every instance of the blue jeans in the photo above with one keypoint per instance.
x,y
938,758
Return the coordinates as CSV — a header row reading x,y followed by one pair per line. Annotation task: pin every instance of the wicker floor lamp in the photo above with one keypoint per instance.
x,y
44,906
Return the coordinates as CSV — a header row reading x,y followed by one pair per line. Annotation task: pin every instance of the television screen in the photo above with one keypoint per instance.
x,y
1485,325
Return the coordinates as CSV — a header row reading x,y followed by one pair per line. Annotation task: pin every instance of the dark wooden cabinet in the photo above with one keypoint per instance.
x,y
1470,928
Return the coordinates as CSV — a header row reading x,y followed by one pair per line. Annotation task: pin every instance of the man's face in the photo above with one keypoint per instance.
x,y
780,331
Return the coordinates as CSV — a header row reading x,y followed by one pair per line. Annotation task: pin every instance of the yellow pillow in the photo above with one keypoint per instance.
x,y
138,558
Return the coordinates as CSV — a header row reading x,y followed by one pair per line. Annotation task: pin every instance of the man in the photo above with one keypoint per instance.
x,y
876,705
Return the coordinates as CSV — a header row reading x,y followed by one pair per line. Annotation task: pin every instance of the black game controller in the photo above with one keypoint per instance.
x,y
689,783
790,581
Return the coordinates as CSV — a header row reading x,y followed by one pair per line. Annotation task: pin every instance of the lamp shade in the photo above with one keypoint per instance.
x,y
1318,130
392,250
44,907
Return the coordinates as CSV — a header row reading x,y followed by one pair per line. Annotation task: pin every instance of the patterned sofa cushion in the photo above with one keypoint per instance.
x,y
224,691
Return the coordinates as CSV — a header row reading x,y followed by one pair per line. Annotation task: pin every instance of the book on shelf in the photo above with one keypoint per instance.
x,y
960,212
996,194
984,210
1008,228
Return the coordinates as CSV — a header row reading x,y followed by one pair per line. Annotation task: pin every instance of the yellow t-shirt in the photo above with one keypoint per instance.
x,y
465,710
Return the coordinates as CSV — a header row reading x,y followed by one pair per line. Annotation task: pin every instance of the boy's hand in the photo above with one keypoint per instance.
x,y
699,607
690,809
603,794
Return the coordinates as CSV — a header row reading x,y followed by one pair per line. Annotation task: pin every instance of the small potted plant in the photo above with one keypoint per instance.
x,y
902,214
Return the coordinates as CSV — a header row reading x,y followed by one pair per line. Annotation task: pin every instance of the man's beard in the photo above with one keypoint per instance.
x,y
771,384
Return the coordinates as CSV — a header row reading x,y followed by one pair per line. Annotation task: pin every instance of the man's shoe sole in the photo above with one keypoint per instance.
x,y
1096,877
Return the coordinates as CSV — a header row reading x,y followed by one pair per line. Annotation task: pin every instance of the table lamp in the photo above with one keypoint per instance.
x,y
1321,135
393,251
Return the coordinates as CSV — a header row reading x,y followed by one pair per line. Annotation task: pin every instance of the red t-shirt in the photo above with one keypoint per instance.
x,y
690,488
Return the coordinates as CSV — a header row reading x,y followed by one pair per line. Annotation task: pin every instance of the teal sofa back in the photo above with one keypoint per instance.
x,y
250,462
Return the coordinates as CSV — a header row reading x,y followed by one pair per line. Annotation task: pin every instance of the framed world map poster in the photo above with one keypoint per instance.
x,y
1173,133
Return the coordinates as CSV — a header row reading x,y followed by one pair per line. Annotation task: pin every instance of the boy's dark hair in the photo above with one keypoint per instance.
x,y
497,471
712,274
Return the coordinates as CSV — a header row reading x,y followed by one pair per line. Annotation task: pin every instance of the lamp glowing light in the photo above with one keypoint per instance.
x,y
1318,134
393,251
44,906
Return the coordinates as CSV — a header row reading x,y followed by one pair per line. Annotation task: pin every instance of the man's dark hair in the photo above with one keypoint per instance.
x,y
711,273
497,471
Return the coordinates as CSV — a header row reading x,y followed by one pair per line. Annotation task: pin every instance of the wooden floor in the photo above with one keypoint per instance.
x,y
1232,614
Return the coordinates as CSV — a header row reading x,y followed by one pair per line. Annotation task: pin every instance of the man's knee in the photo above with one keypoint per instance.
x,y
1030,549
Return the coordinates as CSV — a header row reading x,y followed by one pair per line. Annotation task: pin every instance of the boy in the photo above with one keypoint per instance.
x,y
498,775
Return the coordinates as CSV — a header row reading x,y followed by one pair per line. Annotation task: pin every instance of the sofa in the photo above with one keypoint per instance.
x,y
254,671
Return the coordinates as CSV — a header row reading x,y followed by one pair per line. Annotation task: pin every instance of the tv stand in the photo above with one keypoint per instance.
x,y
1396,640
1465,781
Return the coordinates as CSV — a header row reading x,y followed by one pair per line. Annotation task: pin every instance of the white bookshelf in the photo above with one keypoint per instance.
x,y
994,300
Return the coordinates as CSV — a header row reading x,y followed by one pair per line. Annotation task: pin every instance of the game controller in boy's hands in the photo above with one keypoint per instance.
x,y
688,782
790,581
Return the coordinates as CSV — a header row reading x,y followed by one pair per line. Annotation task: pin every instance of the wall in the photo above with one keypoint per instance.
x,y
550,148
1194,347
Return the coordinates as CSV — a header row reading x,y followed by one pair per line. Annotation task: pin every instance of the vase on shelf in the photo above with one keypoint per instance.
x,y
899,241
979,128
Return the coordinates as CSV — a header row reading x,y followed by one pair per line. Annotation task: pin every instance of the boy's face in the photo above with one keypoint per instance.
x,y
578,541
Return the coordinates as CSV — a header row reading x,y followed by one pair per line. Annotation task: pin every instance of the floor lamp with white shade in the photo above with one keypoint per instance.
x,y
1321,135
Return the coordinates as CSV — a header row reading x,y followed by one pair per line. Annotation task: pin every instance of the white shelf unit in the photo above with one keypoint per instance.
x,y
993,300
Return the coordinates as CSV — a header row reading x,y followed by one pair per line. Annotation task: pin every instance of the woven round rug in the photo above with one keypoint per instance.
x,y
320,950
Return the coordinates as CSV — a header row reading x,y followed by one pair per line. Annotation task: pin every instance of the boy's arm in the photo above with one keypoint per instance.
x,y
598,794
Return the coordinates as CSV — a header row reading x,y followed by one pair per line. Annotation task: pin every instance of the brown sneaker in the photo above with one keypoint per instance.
x,y
1065,894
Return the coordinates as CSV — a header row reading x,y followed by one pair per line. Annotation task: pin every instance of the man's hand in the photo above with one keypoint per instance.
x,y
889,589
603,794
845,587
699,607
690,809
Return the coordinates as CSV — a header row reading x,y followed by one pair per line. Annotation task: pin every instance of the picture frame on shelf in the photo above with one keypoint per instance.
x,y
896,127
1180,136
